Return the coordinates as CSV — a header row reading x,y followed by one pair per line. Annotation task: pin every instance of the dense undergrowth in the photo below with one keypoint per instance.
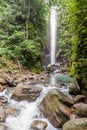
x,y
13,42
24,27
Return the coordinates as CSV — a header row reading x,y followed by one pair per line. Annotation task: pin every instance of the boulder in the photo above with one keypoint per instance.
x,y
46,59
80,109
26,92
56,107
2,81
74,89
3,99
2,114
39,125
3,127
52,68
76,124
73,116
2,88
11,111
9,80
79,98
10,83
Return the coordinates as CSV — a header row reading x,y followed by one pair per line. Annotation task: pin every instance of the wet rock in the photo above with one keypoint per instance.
x,y
76,124
32,77
73,116
2,81
3,127
46,59
11,111
79,98
65,69
9,80
26,92
74,89
56,107
39,125
3,99
20,78
2,88
0,104
80,109
52,68
2,114
11,83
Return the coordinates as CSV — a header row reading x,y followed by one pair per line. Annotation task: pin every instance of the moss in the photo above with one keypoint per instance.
x,y
72,72
79,70
77,124
37,68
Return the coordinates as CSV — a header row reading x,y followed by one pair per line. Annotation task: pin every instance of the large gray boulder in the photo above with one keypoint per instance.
x,y
56,107
76,124
74,88
26,92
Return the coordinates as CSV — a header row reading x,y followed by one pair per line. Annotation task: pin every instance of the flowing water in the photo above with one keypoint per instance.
x,y
53,33
28,112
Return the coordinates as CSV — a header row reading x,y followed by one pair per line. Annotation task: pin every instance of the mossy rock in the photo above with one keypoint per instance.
x,y
56,107
76,124
80,73
80,109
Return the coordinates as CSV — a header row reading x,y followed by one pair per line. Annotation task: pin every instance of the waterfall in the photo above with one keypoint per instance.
x,y
53,33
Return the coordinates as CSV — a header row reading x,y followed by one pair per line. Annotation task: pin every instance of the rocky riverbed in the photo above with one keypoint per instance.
x,y
42,101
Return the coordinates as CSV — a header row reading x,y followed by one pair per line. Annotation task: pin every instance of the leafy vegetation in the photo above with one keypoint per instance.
x,y
72,36
24,31
77,19
21,38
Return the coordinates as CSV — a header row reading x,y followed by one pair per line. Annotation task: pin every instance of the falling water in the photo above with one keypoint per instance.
x,y
53,32
30,111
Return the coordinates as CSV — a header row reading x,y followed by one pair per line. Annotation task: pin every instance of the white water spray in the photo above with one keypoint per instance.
x,y
53,32
28,113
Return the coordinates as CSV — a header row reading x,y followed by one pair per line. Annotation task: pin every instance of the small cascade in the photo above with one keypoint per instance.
x,y
29,112
53,33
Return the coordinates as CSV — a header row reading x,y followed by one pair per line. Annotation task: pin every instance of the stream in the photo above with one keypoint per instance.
x,y
29,111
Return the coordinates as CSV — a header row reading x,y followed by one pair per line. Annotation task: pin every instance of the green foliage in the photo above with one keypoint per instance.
x,y
31,51
76,17
72,36
13,44
16,37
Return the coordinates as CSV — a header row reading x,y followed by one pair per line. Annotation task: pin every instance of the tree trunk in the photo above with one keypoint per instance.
x,y
27,9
